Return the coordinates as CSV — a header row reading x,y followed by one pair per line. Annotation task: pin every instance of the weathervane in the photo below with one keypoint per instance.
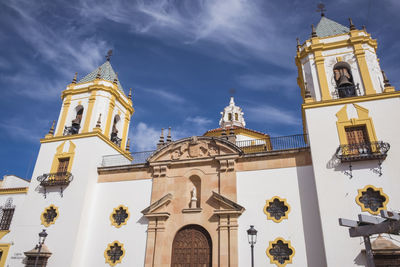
x,y
109,54
232,91
321,8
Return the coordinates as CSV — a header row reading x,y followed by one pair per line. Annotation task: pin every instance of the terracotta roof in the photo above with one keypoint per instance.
x,y
234,127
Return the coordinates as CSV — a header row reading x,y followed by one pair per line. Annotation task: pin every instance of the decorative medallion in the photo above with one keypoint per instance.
x,y
49,215
276,209
114,253
119,216
280,252
372,199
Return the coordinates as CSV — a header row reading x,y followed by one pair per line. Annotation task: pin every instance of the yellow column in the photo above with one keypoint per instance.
x,y
323,82
89,112
109,116
65,109
362,64
125,129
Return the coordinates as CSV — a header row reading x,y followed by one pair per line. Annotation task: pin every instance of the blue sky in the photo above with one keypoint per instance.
x,y
181,58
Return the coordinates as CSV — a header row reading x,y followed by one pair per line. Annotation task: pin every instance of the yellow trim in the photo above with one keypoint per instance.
x,y
90,134
323,81
363,208
60,154
3,233
109,247
44,220
351,100
89,112
4,248
125,130
16,190
64,114
363,119
113,222
267,203
362,64
109,117
271,258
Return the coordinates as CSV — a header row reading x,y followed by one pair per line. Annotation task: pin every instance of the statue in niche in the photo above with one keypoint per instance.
x,y
193,200
194,193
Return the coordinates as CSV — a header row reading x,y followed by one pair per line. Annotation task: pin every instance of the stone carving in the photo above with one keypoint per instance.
x,y
194,149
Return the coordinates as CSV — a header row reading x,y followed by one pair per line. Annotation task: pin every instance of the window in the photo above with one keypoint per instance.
x,y
114,253
276,209
372,199
357,135
280,252
6,218
62,166
236,116
119,216
229,116
49,215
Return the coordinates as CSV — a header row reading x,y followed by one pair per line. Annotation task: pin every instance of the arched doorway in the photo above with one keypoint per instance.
x,y
191,247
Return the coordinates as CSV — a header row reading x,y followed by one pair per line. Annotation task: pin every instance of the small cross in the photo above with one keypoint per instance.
x,y
109,54
321,8
232,91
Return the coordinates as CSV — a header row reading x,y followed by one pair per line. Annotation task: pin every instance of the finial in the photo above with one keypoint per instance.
x,y
169,140
109,54
232,91
364,28
98,123
385,80
130,94
223,132
321,8
352,27
98,76
161,141
313,31
116,78
128,144
307,93
74,79
298,44
52,128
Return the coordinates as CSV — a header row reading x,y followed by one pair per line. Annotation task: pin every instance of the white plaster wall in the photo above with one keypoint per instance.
x,y
67,235
136,196
254,189
311,77
374,69
335,39
11,181
100,107
336,191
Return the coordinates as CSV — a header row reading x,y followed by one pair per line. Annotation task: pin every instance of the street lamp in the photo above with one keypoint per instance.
x,y
252,237
42,238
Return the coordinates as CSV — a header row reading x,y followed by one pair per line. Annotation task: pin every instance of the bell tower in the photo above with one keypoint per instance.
x,y
349,110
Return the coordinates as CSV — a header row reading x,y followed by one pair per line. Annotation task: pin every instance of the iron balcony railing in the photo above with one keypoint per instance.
x,y
363,151
347,91
55,179
248,147
70,130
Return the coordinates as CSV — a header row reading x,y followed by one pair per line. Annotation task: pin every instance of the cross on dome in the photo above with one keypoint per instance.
x,y
232,116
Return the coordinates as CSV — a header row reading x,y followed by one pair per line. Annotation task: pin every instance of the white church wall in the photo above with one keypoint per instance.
x,y
12,181
336,191
135,195
374,69
65,235
254,189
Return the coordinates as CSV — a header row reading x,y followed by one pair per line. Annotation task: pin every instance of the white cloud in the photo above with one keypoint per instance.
x,y
163,95
266,82
271,115
198,121
144,137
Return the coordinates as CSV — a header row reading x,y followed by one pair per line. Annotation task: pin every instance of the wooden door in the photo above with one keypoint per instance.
x,y
191,248
357,137
62,168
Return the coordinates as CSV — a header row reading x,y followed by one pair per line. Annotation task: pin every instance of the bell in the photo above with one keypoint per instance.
x,y
342,77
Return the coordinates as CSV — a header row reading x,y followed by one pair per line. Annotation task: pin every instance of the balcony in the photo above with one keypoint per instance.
x,y
346,91
61,179
363,151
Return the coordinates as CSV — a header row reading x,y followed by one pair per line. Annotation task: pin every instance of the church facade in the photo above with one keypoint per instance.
x,y
191,201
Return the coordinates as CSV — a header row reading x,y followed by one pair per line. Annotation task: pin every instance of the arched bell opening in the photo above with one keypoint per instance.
x,y
344,80
192,246
114,131
76,122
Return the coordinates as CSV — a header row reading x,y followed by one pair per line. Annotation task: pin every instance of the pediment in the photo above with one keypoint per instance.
x,y
159,206
227,206
196,147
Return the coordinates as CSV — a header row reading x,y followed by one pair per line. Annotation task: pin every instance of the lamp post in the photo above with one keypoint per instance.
x,y
252,237
42,238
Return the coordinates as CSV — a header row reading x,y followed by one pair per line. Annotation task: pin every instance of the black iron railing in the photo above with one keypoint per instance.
x,y
69,130
116,140
273,143
60,179
363,151
117,160
347,91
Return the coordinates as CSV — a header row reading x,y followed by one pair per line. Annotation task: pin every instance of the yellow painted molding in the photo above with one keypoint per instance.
x,y
323,81
363,208
113,222
89,112
47,224
351,100
269,202
109,116
85,135
363,119
389,89
3,233
271,258
60,154
16,190
363,67
125,130
64,114
108,260
4,248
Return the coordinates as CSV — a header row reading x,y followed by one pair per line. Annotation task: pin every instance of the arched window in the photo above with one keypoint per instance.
x,y
76,122
344,79
236,116
229,116
114,131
